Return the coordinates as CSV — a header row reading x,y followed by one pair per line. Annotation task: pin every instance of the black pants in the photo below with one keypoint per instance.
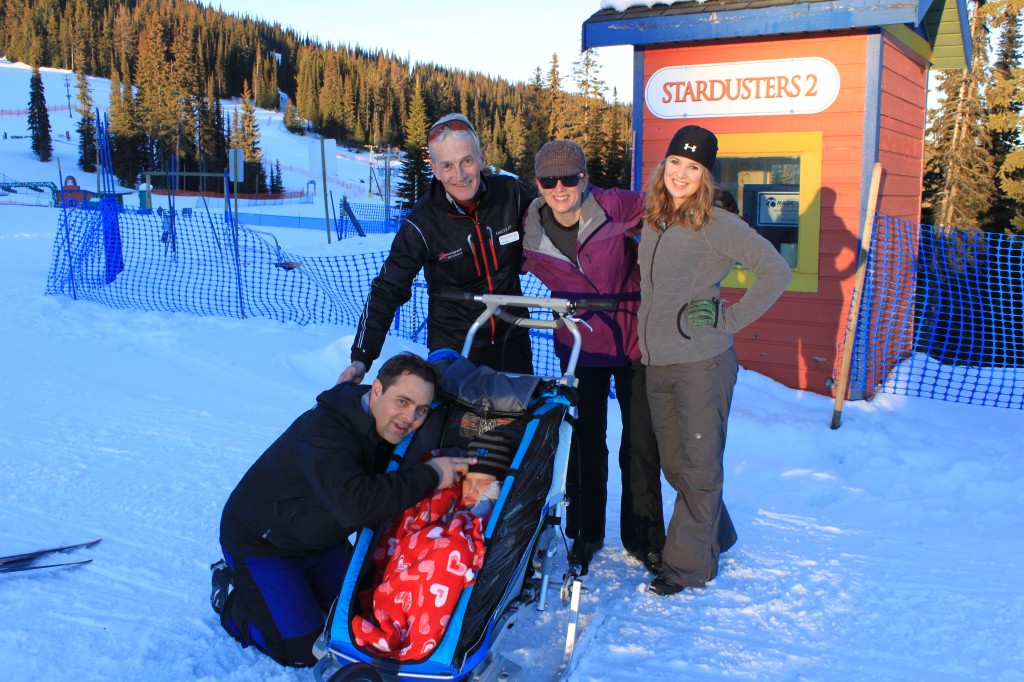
x,y
641,520
513,355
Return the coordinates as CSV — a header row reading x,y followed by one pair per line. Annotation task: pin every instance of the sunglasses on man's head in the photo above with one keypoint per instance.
x,y
566,180
453,125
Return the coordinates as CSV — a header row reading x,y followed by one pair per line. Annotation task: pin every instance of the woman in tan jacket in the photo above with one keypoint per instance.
x,y
688,245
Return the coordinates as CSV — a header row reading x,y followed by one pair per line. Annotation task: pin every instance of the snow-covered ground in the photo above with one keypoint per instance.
x,y
889,549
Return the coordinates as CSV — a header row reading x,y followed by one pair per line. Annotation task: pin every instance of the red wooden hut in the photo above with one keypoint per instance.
x,y
804,97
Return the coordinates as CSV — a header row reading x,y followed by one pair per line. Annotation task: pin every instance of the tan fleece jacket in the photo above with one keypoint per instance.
x,y
681,265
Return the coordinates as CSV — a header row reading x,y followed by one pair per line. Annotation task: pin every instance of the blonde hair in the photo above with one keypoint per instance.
x,y
660,210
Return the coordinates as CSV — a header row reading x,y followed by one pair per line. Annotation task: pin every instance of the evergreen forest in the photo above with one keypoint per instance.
x,y
171,62
974,158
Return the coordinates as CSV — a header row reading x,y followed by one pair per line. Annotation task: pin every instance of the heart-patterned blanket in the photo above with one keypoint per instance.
x,y
431,553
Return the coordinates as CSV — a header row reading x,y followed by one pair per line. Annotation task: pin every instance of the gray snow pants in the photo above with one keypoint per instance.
x,y
690,411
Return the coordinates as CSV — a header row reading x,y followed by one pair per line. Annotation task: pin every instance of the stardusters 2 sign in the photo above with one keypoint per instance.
x,y
760,88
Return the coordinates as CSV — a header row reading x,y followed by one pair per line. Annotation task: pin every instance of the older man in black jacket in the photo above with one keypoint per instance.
x,y
465,234
285,527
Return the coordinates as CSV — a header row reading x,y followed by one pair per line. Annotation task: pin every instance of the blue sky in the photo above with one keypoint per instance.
x,y
507,39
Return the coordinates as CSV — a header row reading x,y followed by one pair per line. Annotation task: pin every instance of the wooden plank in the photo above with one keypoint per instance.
x,y
851,326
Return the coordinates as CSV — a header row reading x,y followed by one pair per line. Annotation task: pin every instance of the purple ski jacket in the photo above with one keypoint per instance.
x,y
606,251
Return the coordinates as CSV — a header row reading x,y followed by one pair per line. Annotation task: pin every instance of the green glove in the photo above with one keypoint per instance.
x,y
703,312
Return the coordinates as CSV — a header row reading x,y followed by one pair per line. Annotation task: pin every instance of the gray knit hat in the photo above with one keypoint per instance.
x,y
559,158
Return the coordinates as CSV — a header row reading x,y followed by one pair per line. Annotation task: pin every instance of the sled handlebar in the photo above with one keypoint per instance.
x,y
563,308
558,305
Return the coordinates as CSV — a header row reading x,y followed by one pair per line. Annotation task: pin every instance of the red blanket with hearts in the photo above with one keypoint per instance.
x,y
430,554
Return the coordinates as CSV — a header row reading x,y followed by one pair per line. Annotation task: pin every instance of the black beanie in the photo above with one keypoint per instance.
x,y
694,143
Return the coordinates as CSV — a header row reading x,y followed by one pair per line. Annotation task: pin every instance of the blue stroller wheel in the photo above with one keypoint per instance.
x,y
356,672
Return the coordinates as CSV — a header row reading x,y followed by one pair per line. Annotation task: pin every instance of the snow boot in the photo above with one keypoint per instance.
x,y
221,584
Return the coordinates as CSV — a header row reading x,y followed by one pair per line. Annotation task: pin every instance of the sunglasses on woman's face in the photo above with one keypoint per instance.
x,y
566,180
453,125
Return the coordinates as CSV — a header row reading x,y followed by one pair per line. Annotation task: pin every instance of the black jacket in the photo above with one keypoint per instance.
x,y
319,481
480,254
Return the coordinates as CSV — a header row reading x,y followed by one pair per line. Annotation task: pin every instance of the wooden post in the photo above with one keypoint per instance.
x,y
851,323
60,175
323,166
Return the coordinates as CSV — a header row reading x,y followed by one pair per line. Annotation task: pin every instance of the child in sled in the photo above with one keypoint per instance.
x,y
435,548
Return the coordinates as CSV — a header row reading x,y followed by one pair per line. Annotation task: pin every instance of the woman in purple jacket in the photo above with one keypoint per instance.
x,y
580,241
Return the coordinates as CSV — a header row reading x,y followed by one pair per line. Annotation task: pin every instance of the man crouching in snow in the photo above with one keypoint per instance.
x,y
285,526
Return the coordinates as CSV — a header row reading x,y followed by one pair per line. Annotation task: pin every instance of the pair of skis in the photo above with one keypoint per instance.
x,y
26,561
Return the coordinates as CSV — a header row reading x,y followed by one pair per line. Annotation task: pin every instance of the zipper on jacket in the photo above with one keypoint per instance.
x,y
486,270
494,252
647,317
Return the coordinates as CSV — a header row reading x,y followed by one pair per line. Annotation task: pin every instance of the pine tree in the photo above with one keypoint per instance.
x,y
330,102
536,120
217,150
86,125
156,98
39,118
590,115
515,144
1004,97
292,122
498,155
127,141
617,155
307,96
81,37
276,179
414,178
264,81
188,89
247,137
124,41
18,30
212,143
555,102
959,172
115,123
249,127
348,107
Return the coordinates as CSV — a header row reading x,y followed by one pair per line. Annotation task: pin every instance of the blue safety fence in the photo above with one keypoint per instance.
x,y
942,315
201,263
371,218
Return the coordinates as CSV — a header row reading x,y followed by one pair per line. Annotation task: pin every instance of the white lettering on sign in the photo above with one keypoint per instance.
x,y
778,209
773,87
